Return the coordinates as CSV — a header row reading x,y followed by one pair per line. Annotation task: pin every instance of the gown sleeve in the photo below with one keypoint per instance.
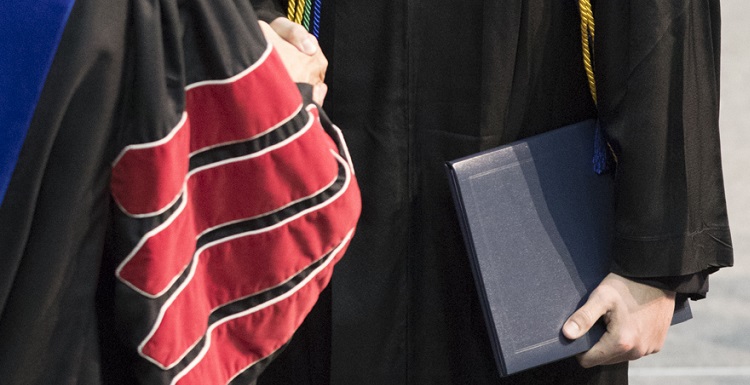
x,y
268,10
657,69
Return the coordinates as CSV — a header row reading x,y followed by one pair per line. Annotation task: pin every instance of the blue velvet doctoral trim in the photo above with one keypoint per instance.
x,y
30,32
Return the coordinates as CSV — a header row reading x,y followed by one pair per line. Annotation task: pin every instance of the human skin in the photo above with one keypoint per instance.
x,y
637,318
637,315
300,53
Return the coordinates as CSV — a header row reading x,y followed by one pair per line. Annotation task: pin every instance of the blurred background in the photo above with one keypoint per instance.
x,y
714,347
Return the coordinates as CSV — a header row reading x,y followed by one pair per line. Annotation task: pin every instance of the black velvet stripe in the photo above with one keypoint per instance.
x,y
150,374
277,216
249,375
244,304
238,149
135,228
140,313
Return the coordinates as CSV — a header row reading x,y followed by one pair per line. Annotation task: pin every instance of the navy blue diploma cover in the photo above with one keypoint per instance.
x,y
538,225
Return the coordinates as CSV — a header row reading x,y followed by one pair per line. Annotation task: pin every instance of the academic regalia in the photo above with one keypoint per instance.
x,y
416,83
176,208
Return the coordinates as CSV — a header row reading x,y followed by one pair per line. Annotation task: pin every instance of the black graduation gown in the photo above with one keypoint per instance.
x,y
416,83
177,205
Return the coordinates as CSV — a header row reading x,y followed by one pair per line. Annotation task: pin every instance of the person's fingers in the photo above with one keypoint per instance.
x,y
323,65
613,347
615,343
302,68
295,35
584,318
319,93
637,318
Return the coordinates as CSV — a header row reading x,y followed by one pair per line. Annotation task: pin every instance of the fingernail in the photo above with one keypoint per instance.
x,y
571,329
308,46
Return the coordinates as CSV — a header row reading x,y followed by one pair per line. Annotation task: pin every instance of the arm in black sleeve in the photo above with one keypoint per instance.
x,y
268,10
693,286
657,68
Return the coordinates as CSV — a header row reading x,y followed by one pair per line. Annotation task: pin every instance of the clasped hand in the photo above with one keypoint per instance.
x,y
637,318
300,53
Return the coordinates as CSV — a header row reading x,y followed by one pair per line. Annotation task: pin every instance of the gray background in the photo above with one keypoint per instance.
x,y
714,347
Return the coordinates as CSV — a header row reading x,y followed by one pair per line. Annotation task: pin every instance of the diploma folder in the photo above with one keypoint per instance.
x,y
538,225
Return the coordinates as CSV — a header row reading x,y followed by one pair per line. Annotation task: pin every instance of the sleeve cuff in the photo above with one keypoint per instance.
x,y
267,10
268,15
686,255
693,286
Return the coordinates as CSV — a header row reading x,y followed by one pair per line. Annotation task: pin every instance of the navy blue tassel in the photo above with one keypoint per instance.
x,y
600,160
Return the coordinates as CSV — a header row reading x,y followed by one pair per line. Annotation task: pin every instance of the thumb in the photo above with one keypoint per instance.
x,y
584,318
319,93
295,35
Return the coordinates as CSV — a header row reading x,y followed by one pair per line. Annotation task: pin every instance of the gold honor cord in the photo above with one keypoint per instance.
x,y
587,38
290,7
306,13
299,12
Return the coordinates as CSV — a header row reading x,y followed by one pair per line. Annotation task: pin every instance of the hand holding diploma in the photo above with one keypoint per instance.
x,y
637,317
